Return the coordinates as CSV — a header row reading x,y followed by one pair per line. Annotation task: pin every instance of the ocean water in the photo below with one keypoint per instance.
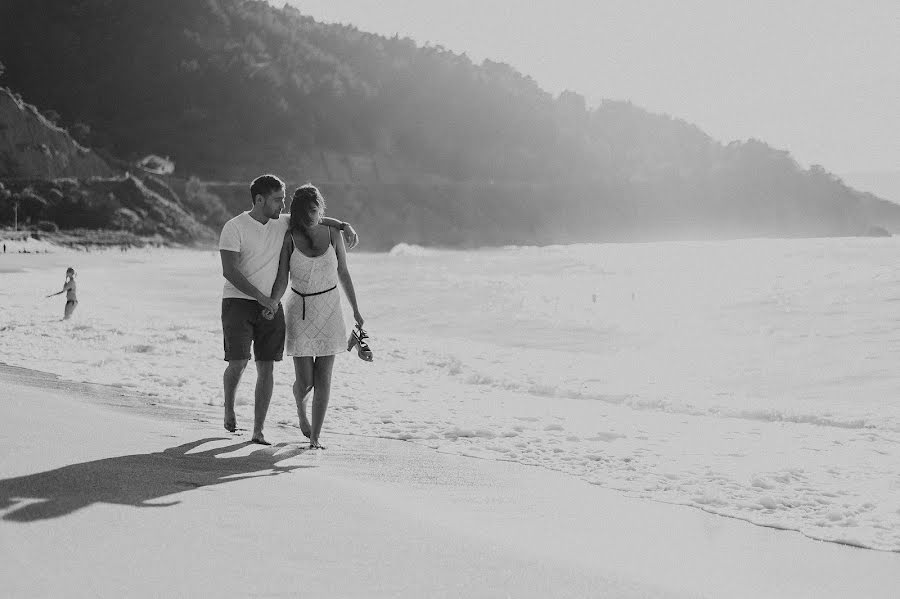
x,y
755,379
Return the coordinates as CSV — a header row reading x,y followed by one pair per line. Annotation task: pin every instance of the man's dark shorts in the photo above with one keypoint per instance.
x,y
243,324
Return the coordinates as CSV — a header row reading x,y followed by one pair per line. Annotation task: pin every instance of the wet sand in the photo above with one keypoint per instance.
x,y
104,494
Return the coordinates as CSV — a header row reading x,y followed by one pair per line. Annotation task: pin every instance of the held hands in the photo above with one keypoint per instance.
x,y
270,307
270,303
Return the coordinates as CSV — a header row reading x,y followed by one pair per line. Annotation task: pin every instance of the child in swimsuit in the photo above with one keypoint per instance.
x,y
69,288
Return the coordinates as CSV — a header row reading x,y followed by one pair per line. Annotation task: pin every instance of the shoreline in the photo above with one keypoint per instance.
x,y
40,242
367,517
86,240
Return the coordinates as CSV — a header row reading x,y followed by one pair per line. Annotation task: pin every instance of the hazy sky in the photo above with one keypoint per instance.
x,y
820,78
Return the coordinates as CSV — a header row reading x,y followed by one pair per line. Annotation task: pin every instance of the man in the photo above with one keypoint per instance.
x,y
250,245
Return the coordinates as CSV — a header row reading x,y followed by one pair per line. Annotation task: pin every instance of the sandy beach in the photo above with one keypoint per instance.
x,y
105,495
450,470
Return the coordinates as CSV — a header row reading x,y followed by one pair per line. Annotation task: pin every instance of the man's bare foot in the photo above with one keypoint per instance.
x,y
305,427
259,440
316,445
230,421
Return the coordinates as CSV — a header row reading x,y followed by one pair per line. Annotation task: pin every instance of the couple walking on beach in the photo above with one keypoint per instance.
x,y
262,252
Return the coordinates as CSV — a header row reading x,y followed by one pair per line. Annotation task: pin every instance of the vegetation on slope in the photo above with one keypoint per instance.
x,y
415,143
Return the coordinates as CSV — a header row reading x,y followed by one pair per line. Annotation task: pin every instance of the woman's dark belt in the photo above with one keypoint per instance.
x,y
306,295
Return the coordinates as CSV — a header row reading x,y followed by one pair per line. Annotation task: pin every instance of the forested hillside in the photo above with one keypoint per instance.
x,y
49,181
411,141
31,146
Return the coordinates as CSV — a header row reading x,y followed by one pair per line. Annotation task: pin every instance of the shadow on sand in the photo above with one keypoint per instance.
x,y
137,479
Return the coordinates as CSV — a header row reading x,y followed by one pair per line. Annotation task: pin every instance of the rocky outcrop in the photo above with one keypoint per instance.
x,y
32,147
124,204
883,214
47,178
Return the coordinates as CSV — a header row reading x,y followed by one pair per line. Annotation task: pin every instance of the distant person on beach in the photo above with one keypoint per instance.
x,y
250,246
69,288
316,259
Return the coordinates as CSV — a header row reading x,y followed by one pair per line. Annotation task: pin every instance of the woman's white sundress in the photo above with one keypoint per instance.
x,y
314,325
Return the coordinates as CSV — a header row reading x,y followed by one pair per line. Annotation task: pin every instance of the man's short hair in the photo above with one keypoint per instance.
x,y
264,185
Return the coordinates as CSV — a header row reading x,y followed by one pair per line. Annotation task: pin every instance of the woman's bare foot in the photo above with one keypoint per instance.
x,y
315,445
305,427
230,421
259,440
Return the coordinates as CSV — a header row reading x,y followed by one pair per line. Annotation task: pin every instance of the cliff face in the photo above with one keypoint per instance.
x,y
31,147
116,203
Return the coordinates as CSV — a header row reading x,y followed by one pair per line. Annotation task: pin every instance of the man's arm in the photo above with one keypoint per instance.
x,y
234,276
284,265
349,232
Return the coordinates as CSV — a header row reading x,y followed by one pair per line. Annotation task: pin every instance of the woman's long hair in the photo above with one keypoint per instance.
x,y
305,196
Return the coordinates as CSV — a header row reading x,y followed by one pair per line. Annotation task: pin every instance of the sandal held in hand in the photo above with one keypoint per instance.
x,y
358,339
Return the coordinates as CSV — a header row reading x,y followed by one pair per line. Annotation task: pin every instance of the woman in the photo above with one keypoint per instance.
x,y
69,289
316,260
